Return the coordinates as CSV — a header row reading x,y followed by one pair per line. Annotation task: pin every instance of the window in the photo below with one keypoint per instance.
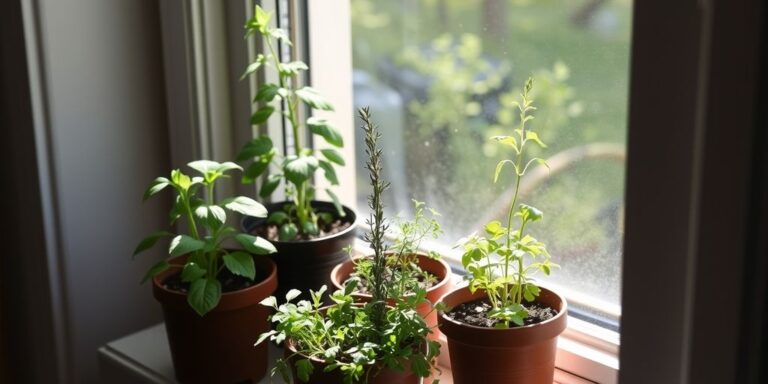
x,y
589,105
440,77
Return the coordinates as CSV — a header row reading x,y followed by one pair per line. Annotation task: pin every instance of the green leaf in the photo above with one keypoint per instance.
x,y
155,269
204,295
240,263
267,92
259,21
204,166
531,213
533,136
228,166
304,369
212,215
262,115
333,156
309,228
252,67
506,140
293,68
180,180
313,98
330,173
277,217
336,203
288,232
269,302
255,244
495,229
256,147
192,272
322,127
156,186
280,34
264,336
183,244
299,169
270,185
150,241
499,166
259,165
292,294
245,205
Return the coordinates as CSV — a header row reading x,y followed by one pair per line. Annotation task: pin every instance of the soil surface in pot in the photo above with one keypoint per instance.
x,y
270,231
364,287
476,313
229,282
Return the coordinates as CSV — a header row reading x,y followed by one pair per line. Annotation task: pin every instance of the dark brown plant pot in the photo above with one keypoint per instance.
x,y
514,355
438,268
306,265
218,348
379,374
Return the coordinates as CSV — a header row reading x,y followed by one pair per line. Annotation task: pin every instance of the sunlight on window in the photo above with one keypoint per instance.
x,y
442,75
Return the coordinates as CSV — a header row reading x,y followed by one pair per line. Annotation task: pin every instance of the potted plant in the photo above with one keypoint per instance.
x,y
503,327
409,267
309,235
356,342
210,293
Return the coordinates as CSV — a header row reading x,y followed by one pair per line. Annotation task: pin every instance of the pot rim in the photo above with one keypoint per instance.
x,y
247,223
443,282
518,329
268,283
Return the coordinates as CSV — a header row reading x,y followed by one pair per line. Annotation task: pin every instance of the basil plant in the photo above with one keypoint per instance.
x,y
206,231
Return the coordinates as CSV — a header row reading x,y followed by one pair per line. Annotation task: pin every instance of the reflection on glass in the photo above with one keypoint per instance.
x,y
441,76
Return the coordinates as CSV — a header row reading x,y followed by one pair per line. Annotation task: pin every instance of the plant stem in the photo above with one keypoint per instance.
x,y
291,103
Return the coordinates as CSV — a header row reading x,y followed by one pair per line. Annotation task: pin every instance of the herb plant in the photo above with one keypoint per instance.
x,y
403,272
207,229
498,264
357,339
298,168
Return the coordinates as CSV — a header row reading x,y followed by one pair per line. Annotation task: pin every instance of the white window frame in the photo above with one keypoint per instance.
x,y
585,351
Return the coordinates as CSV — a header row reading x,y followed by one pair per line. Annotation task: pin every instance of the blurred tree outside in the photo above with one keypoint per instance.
x,y
457,65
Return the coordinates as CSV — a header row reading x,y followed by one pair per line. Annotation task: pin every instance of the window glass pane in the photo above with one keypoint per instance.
x,y
440,77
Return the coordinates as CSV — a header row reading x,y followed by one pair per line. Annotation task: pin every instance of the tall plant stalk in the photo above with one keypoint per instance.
x,y
376,220
497,264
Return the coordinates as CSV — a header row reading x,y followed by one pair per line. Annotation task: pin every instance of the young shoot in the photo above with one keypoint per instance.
x,y
503,263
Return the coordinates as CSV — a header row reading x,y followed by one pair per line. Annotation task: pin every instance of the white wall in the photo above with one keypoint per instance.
x,y
104,95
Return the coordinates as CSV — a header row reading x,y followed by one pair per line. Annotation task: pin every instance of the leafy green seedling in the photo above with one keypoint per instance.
x,y
207,229
497,263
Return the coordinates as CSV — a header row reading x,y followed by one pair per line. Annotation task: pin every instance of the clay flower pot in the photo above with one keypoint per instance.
x,y
306,264
438,268
218,347
380,374
515,355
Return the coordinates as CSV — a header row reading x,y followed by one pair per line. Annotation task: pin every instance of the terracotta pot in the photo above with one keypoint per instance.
x,y
439,268
218,347
514,355
379,374
307,264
